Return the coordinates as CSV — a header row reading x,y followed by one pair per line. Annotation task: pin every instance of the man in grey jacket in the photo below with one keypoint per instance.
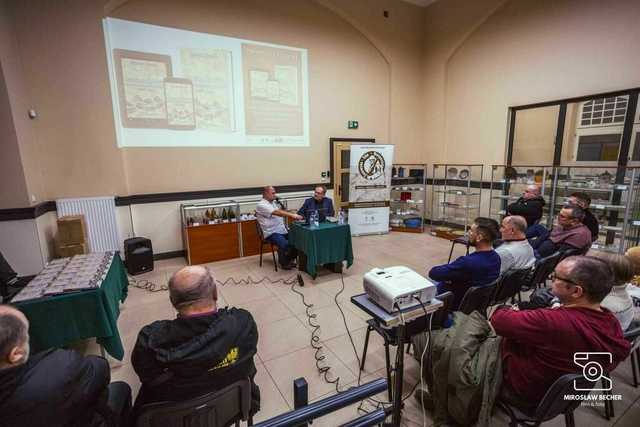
x,y
515,253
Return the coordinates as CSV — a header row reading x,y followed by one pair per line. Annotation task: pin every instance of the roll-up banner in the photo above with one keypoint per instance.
x,y
370,188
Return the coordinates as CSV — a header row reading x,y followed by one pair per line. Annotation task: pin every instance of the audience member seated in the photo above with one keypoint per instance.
x,y
569,233
318,203
54,387
534,347
479,268
202,350
529,205
619,301
590,221
270,214
539,345
515,252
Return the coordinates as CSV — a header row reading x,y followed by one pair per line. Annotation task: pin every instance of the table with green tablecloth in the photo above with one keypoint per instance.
x,y
329,243
57,321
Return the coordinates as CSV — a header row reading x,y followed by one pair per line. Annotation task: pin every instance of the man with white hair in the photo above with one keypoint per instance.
x,y
202,350
515,252
54,387
529,205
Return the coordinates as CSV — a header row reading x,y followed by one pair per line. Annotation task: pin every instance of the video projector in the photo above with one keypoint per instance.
x,y
398,287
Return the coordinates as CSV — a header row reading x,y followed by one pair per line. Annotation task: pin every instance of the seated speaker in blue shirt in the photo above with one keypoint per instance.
x,y
319,202
479,268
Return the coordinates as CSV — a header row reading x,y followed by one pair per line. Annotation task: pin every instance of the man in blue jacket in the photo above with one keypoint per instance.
x,y
479,268
319,202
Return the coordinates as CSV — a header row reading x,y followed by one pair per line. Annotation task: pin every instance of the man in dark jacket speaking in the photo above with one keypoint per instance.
x,y
529,205
54,387
203,350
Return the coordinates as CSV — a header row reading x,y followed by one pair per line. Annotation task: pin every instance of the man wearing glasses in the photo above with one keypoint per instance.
x,y
539,345
318,203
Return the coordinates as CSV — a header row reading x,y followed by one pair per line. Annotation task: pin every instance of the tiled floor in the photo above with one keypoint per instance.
x,y
284,351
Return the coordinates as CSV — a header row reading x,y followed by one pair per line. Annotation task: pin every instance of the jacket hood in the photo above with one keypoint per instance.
x,y
209,346
608,337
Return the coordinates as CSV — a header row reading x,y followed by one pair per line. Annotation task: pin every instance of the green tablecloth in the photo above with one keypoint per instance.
x,y
60,320
329,243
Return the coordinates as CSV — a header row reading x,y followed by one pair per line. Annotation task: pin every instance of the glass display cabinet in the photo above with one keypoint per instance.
x,y
614,201
210,231
455,198
407,205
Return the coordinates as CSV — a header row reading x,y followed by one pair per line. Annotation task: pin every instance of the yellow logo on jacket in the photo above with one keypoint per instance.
x,y
229,359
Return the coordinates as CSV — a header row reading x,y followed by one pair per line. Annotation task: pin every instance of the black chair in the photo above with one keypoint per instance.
x,y
262,242
463,240
632,334
220,408
551,405
510,284
573,252
543,268
478,298
415,327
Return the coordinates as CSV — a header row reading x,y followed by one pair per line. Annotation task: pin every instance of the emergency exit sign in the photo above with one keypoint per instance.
x,y
352,124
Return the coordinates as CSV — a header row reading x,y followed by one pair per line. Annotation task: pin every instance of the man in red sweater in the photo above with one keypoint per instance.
x,y
539,345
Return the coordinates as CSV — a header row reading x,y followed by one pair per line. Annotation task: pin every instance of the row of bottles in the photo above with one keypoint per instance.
x,y
210,216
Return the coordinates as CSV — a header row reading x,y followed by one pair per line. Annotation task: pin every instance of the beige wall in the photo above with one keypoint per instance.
x,y
72,146
13,187
517,53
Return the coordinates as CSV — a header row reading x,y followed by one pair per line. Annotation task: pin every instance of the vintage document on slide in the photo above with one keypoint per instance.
x,y
272,90
180,104
210,70
141,92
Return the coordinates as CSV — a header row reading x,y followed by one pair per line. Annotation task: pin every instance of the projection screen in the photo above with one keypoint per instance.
x,y
178,88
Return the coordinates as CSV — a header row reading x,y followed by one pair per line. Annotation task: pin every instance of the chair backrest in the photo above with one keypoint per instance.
x,y
477,298
216,409
510,283
544,267
440,316
259,230
573,251
553,403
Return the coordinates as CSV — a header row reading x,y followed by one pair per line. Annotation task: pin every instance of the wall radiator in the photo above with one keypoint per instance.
x,y
100,219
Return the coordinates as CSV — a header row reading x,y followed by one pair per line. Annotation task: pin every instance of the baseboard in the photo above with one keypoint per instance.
x,y
169,255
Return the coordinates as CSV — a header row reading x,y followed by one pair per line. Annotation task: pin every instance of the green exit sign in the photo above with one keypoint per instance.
x,y
352,124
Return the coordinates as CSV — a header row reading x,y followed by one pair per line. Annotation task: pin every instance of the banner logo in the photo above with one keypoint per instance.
x,y
371,165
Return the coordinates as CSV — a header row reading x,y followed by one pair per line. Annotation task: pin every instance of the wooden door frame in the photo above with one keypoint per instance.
x,y
333,141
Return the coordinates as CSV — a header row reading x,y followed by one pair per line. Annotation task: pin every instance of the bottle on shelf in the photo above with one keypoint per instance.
x,y
232,215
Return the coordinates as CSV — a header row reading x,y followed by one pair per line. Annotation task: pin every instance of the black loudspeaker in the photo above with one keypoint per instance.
x,y
138,253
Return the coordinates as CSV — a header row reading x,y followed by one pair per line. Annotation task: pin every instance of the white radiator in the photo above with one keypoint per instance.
x,y
100,219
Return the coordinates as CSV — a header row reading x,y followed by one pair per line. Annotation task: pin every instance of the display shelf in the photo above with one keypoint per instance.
x,y
613,195
407,204
455,198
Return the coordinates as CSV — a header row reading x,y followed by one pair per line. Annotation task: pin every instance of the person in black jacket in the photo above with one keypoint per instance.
x,y
590,221
529,205
203,350
54,387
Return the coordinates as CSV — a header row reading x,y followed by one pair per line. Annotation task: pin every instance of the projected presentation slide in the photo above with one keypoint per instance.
x,y
178,88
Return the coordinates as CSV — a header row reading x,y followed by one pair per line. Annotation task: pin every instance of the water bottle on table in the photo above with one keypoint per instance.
x,y
315,219
340,217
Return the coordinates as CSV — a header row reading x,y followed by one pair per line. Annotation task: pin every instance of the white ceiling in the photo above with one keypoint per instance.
x,y
422,3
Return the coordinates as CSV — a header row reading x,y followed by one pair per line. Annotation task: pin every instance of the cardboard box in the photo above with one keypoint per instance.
x,y
71,230
63,250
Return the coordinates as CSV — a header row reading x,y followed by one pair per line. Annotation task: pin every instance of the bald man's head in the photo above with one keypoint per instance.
x,y
14,337
532,191
513,227
193,287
